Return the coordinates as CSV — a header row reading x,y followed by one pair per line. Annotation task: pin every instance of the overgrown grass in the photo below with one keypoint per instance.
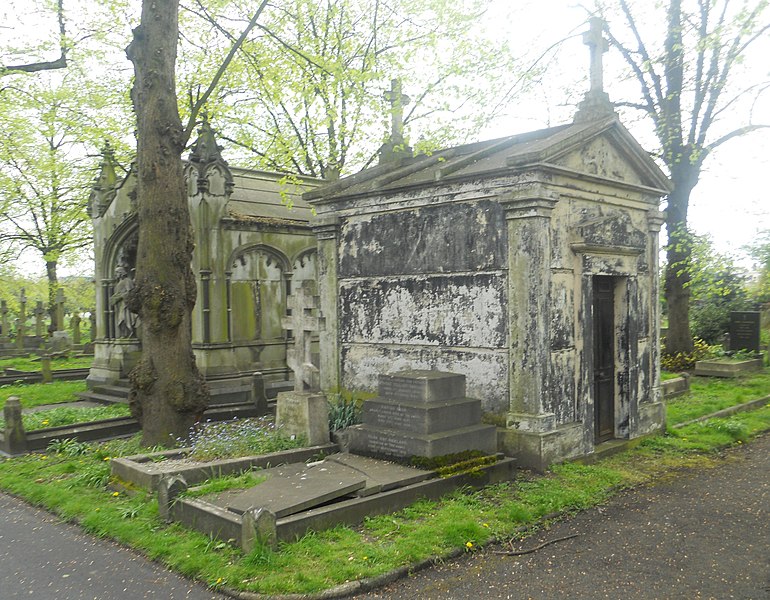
x,y
710,394
37,394
74,487
57,417
32,364
230,439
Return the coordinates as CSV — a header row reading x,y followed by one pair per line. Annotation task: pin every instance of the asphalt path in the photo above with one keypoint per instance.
x,y
704,534
45,559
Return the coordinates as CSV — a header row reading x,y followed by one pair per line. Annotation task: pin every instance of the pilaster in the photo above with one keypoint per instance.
x,y
327,231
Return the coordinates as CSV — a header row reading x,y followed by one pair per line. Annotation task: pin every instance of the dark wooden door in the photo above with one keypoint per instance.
x,y
604,358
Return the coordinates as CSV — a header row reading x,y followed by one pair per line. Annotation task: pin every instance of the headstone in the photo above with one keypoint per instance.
x,y
21,322
258,394
422,413
45,369
4,323
92,320
304,322
744,330
19,334
60,309
39,313
75,324
15,440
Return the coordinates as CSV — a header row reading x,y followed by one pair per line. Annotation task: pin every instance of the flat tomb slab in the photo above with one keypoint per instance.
x,y
314,486
727,368
381,475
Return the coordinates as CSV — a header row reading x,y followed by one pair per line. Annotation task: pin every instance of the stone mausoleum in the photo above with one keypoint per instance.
x,y
253,244
529,264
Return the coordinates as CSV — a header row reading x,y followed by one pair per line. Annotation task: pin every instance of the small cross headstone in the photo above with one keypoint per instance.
x,y
19,334
304,322
60,310
92,320
39,313
75,324
4,314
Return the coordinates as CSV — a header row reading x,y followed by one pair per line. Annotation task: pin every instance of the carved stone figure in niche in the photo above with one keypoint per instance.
x,y
126,321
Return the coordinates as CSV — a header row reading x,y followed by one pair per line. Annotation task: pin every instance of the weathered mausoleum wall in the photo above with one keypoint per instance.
x,y
527,264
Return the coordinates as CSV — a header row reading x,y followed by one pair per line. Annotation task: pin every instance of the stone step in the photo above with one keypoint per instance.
x,y
121,391
401,444
425,418
101,398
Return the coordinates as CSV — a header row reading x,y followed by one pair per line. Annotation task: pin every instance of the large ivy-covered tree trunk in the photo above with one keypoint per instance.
x,y
168,393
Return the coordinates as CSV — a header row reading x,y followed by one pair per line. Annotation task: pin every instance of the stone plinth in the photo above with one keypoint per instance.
x,y
303,414
422,413
727,368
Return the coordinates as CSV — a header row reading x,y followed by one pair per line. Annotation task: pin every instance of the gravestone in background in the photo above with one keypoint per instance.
x,y
744,330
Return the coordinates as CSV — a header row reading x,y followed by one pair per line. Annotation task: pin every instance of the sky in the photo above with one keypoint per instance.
x,y
729,204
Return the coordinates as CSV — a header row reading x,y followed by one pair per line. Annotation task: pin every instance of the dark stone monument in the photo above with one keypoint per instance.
x,y
744,330
422,413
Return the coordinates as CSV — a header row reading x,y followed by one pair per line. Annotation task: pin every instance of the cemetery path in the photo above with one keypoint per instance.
x,y
46,559
705,534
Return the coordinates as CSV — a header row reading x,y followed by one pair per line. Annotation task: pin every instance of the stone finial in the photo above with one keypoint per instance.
x,y
596,103
396,147
205,149
103,189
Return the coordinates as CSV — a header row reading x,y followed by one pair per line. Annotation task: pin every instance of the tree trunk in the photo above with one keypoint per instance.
x,y
53,285
684,175
168,394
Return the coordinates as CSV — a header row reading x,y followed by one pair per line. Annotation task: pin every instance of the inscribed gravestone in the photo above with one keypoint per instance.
x,y
744,330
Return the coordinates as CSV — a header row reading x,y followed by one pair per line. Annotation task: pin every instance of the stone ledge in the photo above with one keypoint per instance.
x,y
732,368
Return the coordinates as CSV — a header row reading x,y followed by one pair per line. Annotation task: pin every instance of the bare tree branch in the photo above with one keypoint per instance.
x,y
59,63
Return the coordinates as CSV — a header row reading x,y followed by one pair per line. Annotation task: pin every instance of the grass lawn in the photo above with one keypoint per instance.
x,y
35,394
33,364
72,483
710,394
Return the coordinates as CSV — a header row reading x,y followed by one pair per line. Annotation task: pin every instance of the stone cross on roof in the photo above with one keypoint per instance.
x,y
398,101
594,39
303,321
596,104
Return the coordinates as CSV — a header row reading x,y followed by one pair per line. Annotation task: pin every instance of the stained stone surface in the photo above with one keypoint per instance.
x,y
289,495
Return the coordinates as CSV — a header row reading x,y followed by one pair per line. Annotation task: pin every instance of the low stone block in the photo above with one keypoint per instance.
x,y
15,439
421,386
303,414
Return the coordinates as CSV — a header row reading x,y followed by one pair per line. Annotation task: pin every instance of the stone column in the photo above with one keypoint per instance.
x,y
528,213
327,232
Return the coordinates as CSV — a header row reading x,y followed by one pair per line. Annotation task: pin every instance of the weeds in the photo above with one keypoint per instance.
x,y
246,437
